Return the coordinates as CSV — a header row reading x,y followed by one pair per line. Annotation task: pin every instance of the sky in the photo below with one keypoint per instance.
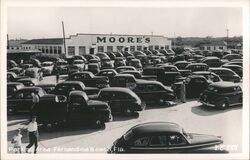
x,y
46,22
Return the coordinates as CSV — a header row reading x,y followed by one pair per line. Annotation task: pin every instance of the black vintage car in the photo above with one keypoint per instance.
x,y
106,63
64,88
139,75
21,100
89,79
197,67
93,67
28,81
48,88
121,100
145,89
226,74
164,137
210,76
12,77
212,61
78,109
12,87
110,73
181,64
222,95
236,68
125,68
195,84
119,61
62,67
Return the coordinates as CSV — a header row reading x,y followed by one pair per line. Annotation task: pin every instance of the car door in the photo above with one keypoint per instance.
x,y
196,86
139,144
176,143
117,102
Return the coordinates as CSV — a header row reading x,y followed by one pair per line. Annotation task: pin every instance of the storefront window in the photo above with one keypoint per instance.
x,y
109,48
157,47
50,49
71,50
100,49
132,48
82,50
139,48
46,49
55,49
150,48
167,47
59,49
43,50
119,48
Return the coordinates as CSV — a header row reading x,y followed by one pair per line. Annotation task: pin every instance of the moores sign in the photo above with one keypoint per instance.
x,y
123,40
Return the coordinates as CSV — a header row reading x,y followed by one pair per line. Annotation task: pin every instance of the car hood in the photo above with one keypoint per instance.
x,y
199,139
49,67
97,103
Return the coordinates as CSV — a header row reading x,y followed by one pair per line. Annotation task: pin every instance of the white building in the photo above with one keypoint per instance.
x,y
81,44
214,45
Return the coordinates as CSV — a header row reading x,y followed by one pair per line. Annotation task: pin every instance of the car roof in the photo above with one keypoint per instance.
x,y
119,89
27,79
124,75
220,69
202,72
70,82
224,84
210,57
156,127
193,64
45,85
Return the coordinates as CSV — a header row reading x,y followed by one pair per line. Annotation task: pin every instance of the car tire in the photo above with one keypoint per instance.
x,y
99,123
224,105
110,118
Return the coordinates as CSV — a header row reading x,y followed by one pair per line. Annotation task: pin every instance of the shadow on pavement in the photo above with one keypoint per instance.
x,y
207,111
124,118
160,105
19,116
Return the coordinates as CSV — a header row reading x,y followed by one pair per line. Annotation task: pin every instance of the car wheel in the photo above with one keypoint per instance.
x,y
224,105
110,118
99,123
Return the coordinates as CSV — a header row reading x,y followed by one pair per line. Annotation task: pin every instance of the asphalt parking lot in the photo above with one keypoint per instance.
x,y
193,117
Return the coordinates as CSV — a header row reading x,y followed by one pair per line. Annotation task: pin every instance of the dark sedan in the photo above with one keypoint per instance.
x,y
226,74
164,137
222,95
12,87
197,67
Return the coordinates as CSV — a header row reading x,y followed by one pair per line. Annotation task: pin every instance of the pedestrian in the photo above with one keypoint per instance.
x,y
183,92
32,134
57,74
17,141
40,74
35,101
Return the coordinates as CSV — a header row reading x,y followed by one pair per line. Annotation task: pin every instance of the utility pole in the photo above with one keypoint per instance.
x,y
227,35
64,44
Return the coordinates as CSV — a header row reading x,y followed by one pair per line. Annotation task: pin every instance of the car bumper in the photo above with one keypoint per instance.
x,y
207,104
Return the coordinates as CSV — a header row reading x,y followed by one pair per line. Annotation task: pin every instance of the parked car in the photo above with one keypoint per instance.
x,y
80,57
210,76
89,79
93,67
121,100
33,72
136,63
64,88
12,77
197,67
139,54
212,61
48,88
62,67
111,55
139,75
125,68
119,61
164,137
26,66
47,68
106,63
12,87
226,74
195,85
181,64
28,81
236,68
232,56
76,110
79,64
11,64
234,63
118,54
17,71
88,56
101,55
145,89
110,73
222,95
129,58
21,100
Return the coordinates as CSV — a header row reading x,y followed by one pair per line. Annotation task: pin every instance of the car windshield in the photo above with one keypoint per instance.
x,y
62,63
78,62
128,135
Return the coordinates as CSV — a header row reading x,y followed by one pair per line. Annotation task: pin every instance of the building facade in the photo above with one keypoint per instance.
x,y
214,45
81,44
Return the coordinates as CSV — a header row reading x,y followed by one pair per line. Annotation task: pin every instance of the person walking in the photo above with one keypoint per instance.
x,y
183,92
17,141
35,101
32,134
